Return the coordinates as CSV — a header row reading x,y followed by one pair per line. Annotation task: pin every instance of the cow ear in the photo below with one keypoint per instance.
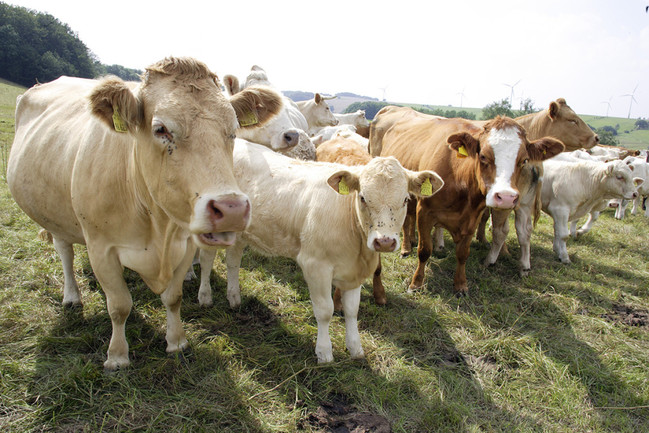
x,y
553,110
424,183
637,181
344,182
544,148
464,144
113,102
255,105
231,84
317,98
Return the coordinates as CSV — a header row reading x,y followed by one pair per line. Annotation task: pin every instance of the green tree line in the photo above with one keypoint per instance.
x,y
37,47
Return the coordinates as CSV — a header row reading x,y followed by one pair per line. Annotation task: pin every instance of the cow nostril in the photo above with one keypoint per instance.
x,y
291,138
215,212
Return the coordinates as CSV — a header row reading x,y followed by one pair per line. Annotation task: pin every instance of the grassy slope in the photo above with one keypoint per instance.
x,y
544,353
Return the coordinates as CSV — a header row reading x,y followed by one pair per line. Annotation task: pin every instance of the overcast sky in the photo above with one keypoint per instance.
x,y
591,52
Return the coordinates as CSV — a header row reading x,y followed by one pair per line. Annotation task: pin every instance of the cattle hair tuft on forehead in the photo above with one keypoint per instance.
x,y
503,122
181,67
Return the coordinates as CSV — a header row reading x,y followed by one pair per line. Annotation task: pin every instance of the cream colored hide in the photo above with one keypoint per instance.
x,y
317,113
286,132
140,173
334,220
570,190
640,169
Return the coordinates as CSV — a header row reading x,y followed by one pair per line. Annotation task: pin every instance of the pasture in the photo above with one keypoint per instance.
x,y
565,349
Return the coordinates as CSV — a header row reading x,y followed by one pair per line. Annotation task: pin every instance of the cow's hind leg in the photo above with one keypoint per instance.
x,y
233,257
377,286
172,298
71,294
318,277
524,229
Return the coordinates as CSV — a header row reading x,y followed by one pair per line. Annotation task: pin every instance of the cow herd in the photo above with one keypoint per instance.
x,y
144,173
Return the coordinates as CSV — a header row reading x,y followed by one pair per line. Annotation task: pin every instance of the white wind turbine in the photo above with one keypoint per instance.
x,y
511,96
631,100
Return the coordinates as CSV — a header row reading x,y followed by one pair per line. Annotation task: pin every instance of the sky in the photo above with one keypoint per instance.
x,y
465,53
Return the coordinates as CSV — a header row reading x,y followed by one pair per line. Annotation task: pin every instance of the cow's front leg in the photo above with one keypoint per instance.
x,y
409,228
560,235
233,257
424,250
108,271
500,229
318,277
351,300
206,258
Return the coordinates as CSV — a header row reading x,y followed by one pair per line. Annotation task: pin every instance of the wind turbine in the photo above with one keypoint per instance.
x,y
632,100
461,96
511,96
383,88
608,105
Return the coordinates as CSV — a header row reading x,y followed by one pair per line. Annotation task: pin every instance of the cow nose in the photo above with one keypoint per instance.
x,y
291,138
596,138
229,214
506,201
635,195
385,244
336,122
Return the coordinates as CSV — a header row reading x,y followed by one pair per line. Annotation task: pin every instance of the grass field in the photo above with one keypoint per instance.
x,y
563,350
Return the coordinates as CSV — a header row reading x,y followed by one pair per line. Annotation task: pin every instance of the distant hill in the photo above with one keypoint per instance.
x,y
338,105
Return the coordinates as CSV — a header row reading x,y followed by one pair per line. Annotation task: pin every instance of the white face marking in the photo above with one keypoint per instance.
x,y
505,144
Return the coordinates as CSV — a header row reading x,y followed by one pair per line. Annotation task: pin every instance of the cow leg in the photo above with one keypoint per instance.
x,y
190,273
637,203
233,256
500,229
438,239
71,294
524,227
573,229
338,299
318,279
424,249
205,290
351,300
480,234
561,235
377,286
592,217
409,228
462,249
621,209
108,271
172,298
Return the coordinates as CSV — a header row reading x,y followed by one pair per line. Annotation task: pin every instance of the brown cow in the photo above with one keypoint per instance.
x,y
480,166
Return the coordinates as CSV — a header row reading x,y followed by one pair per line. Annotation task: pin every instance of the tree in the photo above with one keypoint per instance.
x,y
642,124
526,107
497,108
606,137
370,107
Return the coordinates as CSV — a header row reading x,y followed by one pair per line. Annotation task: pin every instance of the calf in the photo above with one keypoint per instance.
x,y
481,167
317,113
334,220
357,119
572,189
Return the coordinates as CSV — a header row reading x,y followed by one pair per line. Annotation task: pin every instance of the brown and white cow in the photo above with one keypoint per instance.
x,y
480,166
558,121
334,220
139,172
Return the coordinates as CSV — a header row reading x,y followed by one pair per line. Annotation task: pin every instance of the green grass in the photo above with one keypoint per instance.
x,y
546,353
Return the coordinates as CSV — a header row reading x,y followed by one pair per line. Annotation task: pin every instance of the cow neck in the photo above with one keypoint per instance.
x,y
533,124
161,226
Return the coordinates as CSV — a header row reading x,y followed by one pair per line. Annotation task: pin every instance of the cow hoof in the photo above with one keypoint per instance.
x,y
405,254
380,301
525,272
413,288
113,364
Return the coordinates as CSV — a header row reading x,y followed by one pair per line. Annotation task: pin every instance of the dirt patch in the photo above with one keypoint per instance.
x,y
337,416
628,315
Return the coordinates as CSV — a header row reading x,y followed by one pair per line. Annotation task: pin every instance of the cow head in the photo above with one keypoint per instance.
x,y
381,190
317,112
499,152
183,131
619,182
564,124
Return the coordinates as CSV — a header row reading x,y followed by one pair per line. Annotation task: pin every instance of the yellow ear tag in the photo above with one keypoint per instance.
x,y
461,152
118,123
248,118
427,188
342,187
544,152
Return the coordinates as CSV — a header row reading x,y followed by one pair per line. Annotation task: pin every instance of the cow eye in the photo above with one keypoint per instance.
x,y
405,202
483,159
362,199
619,177
525,161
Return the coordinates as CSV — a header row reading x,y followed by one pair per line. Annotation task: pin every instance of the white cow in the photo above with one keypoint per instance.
x,y
317,113
140,173
286,132
570,190
357,119
334,220
640,168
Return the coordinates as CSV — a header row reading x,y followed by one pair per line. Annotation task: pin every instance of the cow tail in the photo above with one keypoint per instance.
x,y
537,204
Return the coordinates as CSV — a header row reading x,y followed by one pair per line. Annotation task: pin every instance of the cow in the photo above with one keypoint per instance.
x,y
139,173
562,123
481,167
609,153
570,190
334,220
346,151
357,119
317,113
286,132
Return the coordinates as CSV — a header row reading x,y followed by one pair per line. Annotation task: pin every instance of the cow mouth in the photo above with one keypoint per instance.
x,y
217,239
